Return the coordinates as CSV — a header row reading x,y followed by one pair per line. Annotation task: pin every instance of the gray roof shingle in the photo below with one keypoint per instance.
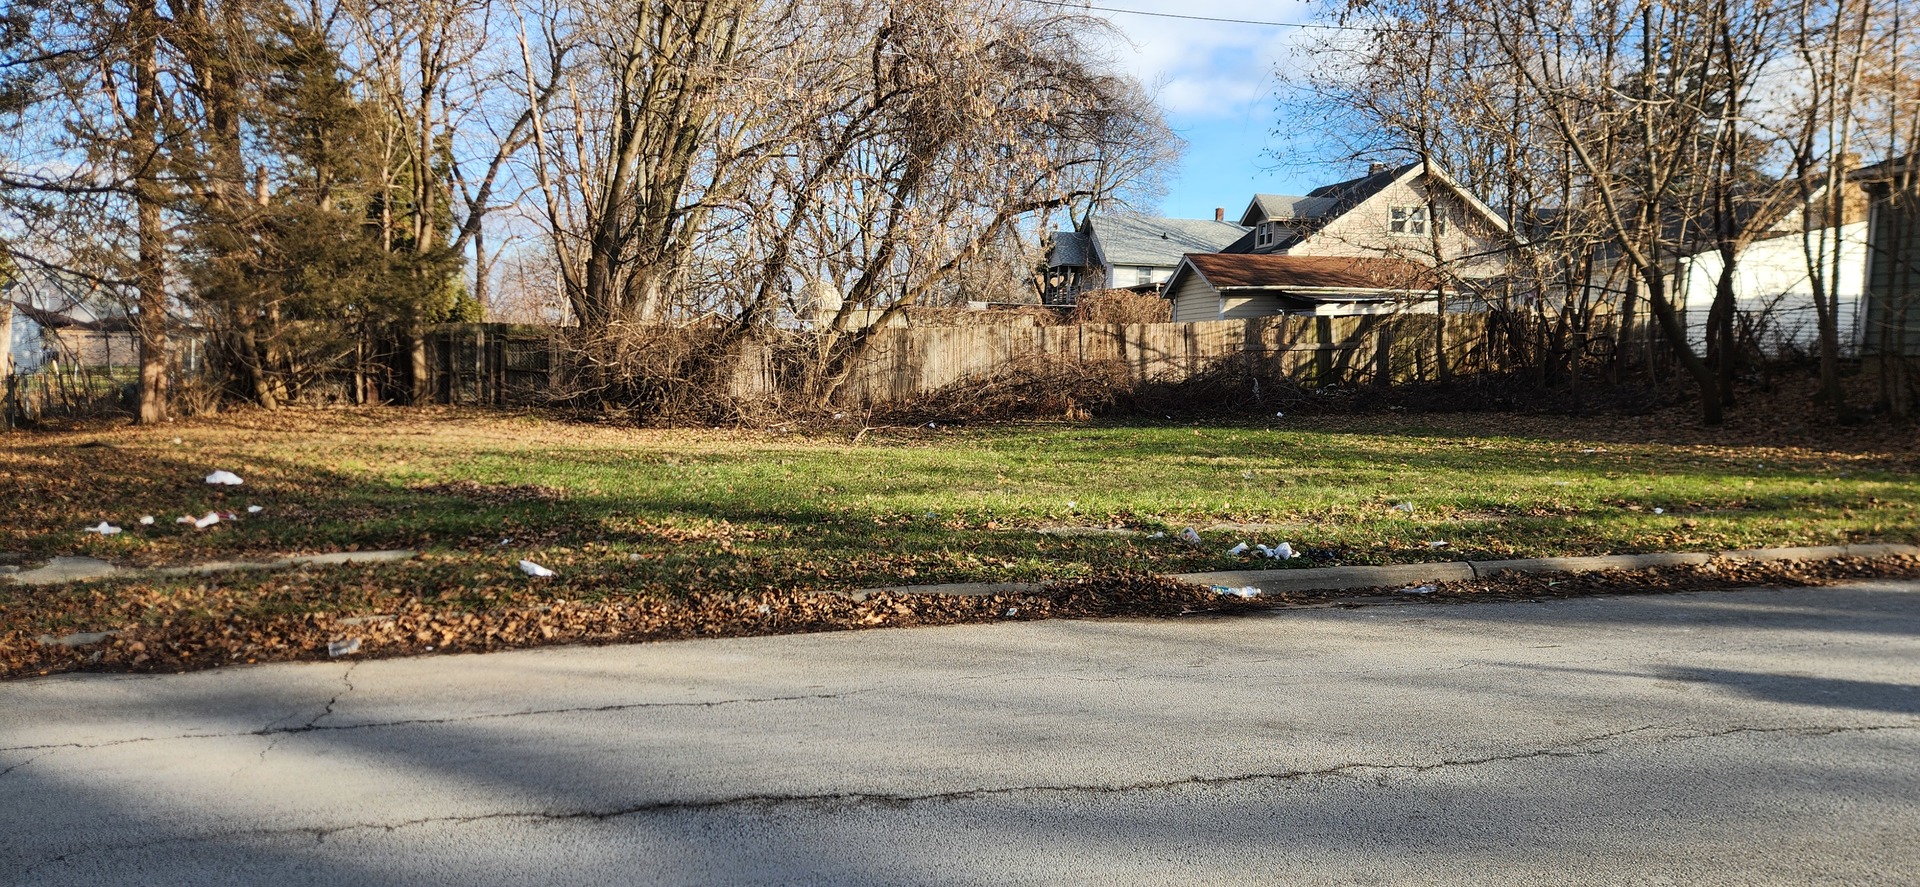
x,y
1155,241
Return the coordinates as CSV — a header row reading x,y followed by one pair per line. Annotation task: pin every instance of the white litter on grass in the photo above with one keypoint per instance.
x,y
224,478
1238,549
347,647
1190,536
1156,534
532,569
200,523
1403,506
104,529
255,509
1419,589
1279,415
1437,543
1659,511
1242,591
146,520
1589,450
765,609
1283,551
1012,612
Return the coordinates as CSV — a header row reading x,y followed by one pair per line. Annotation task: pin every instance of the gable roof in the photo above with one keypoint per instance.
x,y
1266,207
55,320
1152,240
1307,215
1267,271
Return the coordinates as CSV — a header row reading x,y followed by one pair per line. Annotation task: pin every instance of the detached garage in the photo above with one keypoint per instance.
x,y
1225,286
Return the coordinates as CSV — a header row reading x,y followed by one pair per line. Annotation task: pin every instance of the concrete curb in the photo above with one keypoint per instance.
x,y
1340,578
1392,575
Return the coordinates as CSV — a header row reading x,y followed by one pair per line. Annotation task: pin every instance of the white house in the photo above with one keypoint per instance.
x,y
1773,289
1128,252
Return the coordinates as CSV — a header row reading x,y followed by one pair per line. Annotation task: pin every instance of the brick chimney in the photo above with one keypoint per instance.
x,y
1219,213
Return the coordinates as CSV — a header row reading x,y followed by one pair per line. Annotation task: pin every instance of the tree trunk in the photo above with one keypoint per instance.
x,y
151,268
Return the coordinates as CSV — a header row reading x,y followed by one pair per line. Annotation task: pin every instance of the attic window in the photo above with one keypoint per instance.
x,y
1263,235
1411,221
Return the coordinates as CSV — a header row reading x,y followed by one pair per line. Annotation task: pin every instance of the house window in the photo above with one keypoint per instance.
x,y
1413,221
1142,276
1263,235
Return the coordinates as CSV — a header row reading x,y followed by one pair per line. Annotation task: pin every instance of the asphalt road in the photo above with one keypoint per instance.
x,y
1761,737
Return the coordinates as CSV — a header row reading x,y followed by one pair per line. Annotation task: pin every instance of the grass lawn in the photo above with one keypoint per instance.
x,y
619,512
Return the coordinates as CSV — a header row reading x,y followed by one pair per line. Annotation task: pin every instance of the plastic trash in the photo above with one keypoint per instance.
x,y
224,478
347,647
255,509
1437,543
1419,589
1190,536
1072,504
1659,511
204,521
1283,551
146,520
1156,534
1012,612
765,609
1279,415
104,529
1238,549
1403,506
1246,591
532,569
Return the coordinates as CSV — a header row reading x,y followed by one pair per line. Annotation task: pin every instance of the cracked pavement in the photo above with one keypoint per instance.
x,y
1757,737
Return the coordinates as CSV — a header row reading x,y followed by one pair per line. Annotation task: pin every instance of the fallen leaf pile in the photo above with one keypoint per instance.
x,y
183,631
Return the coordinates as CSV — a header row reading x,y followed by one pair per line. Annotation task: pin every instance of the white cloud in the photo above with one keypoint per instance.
x,y
1204,70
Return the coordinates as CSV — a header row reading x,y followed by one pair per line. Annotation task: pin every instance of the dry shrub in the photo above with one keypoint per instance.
x,y
1033,386
674,375
1121,306
1020,317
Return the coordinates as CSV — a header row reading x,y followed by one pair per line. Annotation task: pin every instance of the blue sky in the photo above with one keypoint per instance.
x,y
1215,83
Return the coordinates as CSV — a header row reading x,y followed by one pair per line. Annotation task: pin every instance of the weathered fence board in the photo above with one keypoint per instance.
x,y
503,364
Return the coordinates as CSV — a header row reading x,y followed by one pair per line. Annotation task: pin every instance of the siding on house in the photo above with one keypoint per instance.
x,y
1893,279
1245,307
1771,283
1364,231
1195,301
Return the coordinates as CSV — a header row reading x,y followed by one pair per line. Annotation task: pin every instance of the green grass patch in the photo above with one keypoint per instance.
x,y
624,512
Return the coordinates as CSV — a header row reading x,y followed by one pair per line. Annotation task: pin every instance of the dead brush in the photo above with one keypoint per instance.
x,y
1034,386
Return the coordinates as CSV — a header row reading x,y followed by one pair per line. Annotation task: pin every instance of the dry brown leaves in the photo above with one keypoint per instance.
x,y
179,633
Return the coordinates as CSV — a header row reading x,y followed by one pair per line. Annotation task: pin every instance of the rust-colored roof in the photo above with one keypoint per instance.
x,y
1267,271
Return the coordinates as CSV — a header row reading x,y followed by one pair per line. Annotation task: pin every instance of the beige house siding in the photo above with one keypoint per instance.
x,y
1244,307
1364,231
1195,301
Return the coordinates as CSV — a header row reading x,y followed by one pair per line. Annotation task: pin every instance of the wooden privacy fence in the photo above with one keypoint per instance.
x,y
509,364
494,364
912,361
